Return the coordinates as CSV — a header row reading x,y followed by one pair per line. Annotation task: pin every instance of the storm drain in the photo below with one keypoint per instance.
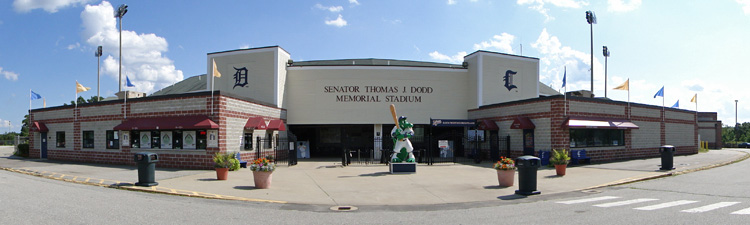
x,y
343,208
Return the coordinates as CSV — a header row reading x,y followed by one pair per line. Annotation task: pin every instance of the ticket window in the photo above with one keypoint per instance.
x,y
248,139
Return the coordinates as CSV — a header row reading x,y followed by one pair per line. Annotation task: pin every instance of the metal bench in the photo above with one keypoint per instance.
x,y
579,156
243,164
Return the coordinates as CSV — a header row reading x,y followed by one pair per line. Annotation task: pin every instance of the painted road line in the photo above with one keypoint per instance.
x,y
666,205
628,202
710,207
588,200
743,212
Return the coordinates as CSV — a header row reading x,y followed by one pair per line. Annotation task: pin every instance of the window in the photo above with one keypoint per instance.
x,y
201,139
268,140
155,139
60,139
248,141
135,139
580,138
88,139
177,139
113,139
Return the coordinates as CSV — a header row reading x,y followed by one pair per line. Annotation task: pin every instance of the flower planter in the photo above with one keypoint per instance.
x,y
262,179
222,173
505,177
560,169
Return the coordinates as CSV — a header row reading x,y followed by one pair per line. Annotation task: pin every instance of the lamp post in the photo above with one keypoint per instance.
x,y
606,55
119,14
98,54
591,19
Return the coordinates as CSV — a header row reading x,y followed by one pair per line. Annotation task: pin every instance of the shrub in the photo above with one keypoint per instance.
x,y
23,150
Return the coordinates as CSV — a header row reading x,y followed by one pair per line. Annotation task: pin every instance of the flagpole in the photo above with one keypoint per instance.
x,y
663,112
75,115
29,100
629,109
212,93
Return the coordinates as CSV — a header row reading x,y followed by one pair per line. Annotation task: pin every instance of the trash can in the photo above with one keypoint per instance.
x,y
667,157
527,167
146,168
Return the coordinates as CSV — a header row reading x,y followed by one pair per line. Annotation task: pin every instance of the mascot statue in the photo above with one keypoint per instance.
x,y
402,148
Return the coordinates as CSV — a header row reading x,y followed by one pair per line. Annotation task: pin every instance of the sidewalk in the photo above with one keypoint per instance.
x,y
328,183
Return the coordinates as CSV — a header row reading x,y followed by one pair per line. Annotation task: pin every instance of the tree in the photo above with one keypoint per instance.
x,y
25,126
82,100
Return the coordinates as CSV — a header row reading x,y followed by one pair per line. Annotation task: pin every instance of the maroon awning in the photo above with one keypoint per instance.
x,y
259,123
39,127
256,123
599,123
276,125
168,123
488,125
522,123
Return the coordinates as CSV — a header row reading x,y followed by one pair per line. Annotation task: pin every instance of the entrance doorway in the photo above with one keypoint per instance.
x,y
332,140
43,147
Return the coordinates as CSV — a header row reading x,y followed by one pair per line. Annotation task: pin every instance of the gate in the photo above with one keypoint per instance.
x,y
281,148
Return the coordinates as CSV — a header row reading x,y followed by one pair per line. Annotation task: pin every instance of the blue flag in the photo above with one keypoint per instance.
x,y
565,75
34,95
676,104
127,82
660,92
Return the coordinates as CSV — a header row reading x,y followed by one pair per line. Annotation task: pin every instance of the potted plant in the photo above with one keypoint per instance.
x,y
560,159
262,170
223,162
506,170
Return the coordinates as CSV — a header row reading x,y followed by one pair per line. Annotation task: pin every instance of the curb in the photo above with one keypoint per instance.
x,y
633,180
131,187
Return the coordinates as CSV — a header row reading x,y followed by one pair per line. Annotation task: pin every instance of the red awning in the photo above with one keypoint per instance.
x,y
488,125
168,123
258,123
276,125
39,127
599,123
522,123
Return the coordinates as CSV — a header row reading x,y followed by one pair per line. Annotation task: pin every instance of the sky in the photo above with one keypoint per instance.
x,y
688,47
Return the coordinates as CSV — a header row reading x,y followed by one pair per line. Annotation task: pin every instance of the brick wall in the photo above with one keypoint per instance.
x,y
231,114
678,128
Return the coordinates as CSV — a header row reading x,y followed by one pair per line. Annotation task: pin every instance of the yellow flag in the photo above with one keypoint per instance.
x,y
695,98
624,86
80,88
45,103
216,71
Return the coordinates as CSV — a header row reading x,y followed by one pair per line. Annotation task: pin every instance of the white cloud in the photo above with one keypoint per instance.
x,y
244,46
538,5
457,58
555,58
354,2
451,2
11,76
745,6
74,46
329,8
143,60
502,43
5,123
339,22
51,6
622,6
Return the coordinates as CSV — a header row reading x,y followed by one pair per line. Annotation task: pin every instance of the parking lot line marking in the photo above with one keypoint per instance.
x,y
666,205
588,200
627,202
710,207
742,212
